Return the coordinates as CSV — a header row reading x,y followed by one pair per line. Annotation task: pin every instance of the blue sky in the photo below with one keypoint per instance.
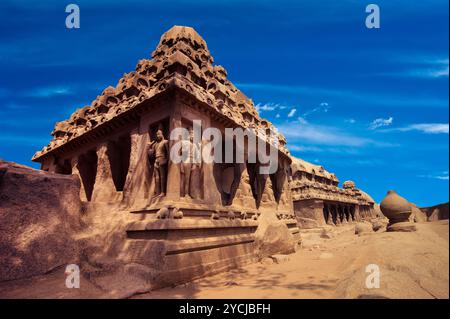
x,y
369,105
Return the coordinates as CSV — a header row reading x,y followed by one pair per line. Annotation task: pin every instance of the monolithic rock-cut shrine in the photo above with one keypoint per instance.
x,y
184,220
318,200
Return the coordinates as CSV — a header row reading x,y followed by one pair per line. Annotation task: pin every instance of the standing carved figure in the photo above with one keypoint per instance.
x,y
159,152
190,167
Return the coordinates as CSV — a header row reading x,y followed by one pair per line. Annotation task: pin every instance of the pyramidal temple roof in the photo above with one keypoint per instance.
x,y
181,60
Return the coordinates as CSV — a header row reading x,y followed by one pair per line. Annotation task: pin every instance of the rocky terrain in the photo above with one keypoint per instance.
x,y
331,264
412,265
44,226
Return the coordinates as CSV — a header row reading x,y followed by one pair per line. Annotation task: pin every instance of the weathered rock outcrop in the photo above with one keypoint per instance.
x,y
363,227
398,210
437,212
417,215
273,237
39,215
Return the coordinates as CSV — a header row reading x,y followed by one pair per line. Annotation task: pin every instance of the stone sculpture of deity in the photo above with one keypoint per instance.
x,y
159,152
190,167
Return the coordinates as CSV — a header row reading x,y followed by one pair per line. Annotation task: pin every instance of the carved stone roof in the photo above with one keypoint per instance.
x,y
304,189
181,60
365,198
303,166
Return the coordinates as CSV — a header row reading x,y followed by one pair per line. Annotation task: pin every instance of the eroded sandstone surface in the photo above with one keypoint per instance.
x,y
40,214
412,265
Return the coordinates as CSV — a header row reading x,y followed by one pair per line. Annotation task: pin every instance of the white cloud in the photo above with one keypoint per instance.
x,y
380,122
439,68
49,91
300,147
265,107
429,73
441,176
278,115
351,96
428,68
324,135
433,128
269,107
429,128
351,121
323,107
306,149
302,120
440,73
292,112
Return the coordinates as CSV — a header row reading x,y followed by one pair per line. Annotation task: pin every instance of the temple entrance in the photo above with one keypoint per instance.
x,y
87,166
119,160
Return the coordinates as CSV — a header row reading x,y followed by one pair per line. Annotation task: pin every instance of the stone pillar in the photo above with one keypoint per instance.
x,y
174,175
104,189
349,214
136,192
329,216
325,212
357,213
75,171
343,214
268,199
211,194
338,217
244,197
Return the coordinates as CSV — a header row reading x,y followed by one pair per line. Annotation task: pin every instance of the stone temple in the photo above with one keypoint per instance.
x,y
186,220
318,200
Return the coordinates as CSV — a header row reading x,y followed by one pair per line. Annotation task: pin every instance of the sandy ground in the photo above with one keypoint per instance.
x,y
412,265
